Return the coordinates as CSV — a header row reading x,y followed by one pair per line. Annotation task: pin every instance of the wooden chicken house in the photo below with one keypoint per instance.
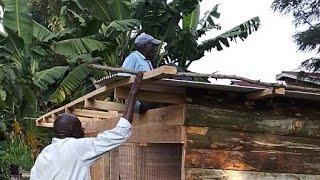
x,y
204,130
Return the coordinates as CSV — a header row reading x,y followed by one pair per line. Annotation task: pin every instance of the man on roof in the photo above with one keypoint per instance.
x,y
70,154
141,59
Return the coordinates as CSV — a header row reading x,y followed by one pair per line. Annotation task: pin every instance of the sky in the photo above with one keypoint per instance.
x,y
264,54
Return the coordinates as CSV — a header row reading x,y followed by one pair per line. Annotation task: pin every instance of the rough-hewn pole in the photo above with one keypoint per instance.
x,y
112,69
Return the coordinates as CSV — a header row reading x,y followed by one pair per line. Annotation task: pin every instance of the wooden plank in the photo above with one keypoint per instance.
x,y
183,154
142,134
93,113
199,173
158,134
265,93
252,161
86,119
41,118
160,72
44,124
96,127
168,115
156,73
103,105
49,122
152,96
280,91
217,139
162,88
252,121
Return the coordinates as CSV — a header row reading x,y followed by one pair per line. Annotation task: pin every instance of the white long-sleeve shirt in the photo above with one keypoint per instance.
x,y
70,158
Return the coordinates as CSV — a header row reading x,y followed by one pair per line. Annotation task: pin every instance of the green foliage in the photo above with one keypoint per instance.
x,y
48,77
17,19
191,21
306,14
42,33
15,151
115,28
207,22
241,31
70,84
97,8
42,11
182,42
4,170
77,46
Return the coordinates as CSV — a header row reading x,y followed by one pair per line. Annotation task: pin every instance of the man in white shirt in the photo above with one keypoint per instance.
x,y
70,155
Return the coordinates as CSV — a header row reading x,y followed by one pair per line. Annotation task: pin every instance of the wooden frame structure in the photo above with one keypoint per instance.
x,y
205,131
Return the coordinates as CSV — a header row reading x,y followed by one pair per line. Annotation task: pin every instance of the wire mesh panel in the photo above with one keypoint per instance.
x,y
152,161
101,168
128,161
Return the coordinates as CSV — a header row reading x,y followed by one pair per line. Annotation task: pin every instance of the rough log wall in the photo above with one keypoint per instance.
x,y
265,140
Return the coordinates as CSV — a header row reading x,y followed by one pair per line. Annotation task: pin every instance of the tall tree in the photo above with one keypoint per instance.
x,y
306,15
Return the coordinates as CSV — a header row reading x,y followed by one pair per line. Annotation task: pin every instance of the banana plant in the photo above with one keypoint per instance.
x,y
18,92
70,75
26,47
17,19
161,20
117,25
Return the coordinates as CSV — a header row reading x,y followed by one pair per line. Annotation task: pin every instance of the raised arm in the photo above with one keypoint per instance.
x,y
132,97
93,148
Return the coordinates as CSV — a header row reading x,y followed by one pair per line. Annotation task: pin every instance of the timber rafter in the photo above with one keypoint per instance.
x,y
89,101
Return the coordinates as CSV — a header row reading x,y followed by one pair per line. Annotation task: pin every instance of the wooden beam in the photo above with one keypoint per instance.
x,y
160,72
49,121
103,105
152,96
95,127
266,93
252,161
217,139
162,125
168,115
279,91
94,114
162,88
203,173
158,134
44,124
143,134
268,122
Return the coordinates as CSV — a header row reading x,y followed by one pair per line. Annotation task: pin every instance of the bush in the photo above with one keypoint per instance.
x,y
15,152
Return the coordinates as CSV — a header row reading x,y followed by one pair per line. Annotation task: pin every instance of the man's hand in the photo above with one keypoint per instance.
x,y
128,113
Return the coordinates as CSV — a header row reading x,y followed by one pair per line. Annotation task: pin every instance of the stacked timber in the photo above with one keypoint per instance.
x,y
234,142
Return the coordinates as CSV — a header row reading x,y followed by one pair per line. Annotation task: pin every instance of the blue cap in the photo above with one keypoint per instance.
x,y
145,38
